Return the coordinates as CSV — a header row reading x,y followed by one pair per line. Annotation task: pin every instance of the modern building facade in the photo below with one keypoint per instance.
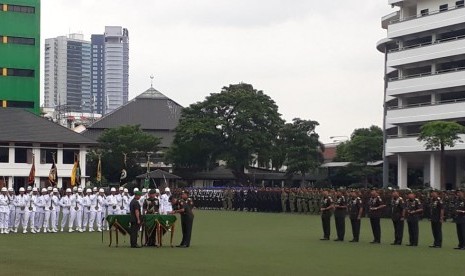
x,y
424,81
110,69
20,54
67,85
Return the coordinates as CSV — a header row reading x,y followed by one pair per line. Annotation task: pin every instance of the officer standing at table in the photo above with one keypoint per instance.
x,y
151,206
134,210
185,206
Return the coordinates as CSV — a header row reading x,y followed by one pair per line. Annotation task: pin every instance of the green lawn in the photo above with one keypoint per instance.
x,y
232,243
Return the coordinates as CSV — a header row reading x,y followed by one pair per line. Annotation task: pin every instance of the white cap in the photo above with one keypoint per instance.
x,y
10,190
144,190
95,189
136,190
121,188
101,191
79,190
88,191
4,189
50,188
21,189
68,190
29,188
167,189
44,190
157,191
113,189
55,190
35,189
125,190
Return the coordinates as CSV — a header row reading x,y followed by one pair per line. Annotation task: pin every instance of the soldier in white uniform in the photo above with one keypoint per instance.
x,y
120,202
57,207
4,211
76,212
11,217
165,204
65,203
103,210
48,208
53,214
86,204
94,209
40,210
112,203
126,201
21,201
31,210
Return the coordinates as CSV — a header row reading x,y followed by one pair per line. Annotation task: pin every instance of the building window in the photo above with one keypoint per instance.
x,y
47,155
23,153
68,155
17,72
21,40
4,153
459,4
23,9
424,12
19,104
443,8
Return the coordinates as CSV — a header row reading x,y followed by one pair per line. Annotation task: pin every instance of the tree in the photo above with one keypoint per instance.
x,y
236,125
131,141
438,135
302,147
365,146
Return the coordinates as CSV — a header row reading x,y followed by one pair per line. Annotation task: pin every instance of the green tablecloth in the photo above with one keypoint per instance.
x,y
122,222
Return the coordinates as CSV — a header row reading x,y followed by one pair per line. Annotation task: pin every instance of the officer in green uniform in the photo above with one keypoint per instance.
x,y
185,206
305,196
340,212
151,206
355,211
299,201
414,209
292,201
437,218
397,215
326,208
284,197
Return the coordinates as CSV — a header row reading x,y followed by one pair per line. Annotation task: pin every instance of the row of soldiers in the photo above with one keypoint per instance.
x,y
74,210
298,200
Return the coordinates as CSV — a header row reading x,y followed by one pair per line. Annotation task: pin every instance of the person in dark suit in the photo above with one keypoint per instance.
x,y
437,218
134,210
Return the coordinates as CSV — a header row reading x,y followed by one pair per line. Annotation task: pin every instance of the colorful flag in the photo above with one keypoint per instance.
x,y
76,173
53,174
32,174
99,170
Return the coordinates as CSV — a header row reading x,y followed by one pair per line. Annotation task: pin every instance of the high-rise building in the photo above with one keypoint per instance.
x,y
424,81
67,85
110,69
20,54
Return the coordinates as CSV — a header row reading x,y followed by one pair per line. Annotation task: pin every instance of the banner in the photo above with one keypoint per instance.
x,y
76,173
99,170
53,174
32,174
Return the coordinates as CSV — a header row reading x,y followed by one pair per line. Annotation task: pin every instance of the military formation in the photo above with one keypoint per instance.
x,y
51,210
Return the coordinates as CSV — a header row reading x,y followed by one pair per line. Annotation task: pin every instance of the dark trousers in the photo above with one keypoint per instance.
x,y
186,225
376,229
355,228
326,222
461,234
340,227
134,232
436,227
398,231
413,232
151,237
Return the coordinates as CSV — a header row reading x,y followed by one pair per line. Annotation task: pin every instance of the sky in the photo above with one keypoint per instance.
x,y
316,59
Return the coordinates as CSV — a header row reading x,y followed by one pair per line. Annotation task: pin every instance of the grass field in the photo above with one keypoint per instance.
x,y
231,243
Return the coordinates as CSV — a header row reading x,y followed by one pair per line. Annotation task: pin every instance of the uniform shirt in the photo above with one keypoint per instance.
x,y
374,203
413,205
325,203
340,202
40,203
86,203
111,202
11,201
32,207
354,207
151,205
187,205
65,203
48,202
397,206
21,202
436,207
133,206
460,218
165,204
4,204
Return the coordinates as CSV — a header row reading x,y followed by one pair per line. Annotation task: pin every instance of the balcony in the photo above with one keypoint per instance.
x,y
428,81
427,51
410,143
421,23
453,109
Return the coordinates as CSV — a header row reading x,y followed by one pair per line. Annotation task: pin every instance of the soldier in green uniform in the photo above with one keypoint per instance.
x,y
340,211
151,206
305,196
397,215
437,218
355,211
414,209
292,201
299,201
284,197
326,208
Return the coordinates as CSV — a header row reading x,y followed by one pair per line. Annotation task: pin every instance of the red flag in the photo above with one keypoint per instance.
x,y
32,174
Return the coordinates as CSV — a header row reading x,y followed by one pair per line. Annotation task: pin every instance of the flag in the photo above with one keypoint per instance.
x,y
53,174
32,174
99,170
123,176
76,173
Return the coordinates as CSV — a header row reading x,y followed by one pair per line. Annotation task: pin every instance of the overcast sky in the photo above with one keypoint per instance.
x,y
316,59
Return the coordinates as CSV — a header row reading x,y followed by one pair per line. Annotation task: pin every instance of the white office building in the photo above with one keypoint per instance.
x,y
425,81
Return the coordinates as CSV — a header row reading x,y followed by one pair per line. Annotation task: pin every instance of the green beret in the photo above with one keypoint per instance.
x,y
138,193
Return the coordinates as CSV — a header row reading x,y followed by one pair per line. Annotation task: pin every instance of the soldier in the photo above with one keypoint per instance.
x,y
356,211
40,210
4,211
151,206
135,218
340,210
94,210
326,208
165,205
185,206
86,205
414,209
65,203
21,201
376,208
460,220
299,201
398,215
75,217
11,205
437,218
292,201
31,211
112,202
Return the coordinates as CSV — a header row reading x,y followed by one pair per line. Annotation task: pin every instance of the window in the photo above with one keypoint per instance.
x,y
459,4
19,72
21,40
68,155
443,8
424,12
4,153
22,9
47,155
23,153
20,104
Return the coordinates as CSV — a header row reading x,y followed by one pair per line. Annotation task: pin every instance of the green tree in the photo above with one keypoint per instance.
x,y
114,144
438,135
236,125
302,146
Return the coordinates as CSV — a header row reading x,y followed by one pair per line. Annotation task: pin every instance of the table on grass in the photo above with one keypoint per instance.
x,y
159,223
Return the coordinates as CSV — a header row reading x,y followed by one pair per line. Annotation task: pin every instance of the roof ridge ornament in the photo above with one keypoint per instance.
x,y
151,80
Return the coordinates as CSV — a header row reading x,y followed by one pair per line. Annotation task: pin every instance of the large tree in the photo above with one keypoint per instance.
x,y
302,146
236,125
114,144
438,135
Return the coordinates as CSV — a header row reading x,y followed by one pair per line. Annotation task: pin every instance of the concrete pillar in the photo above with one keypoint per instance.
x,y
10,182
459,171
433,37
426,173
434,98
435,170
400,102
433,68
400,131
402,167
